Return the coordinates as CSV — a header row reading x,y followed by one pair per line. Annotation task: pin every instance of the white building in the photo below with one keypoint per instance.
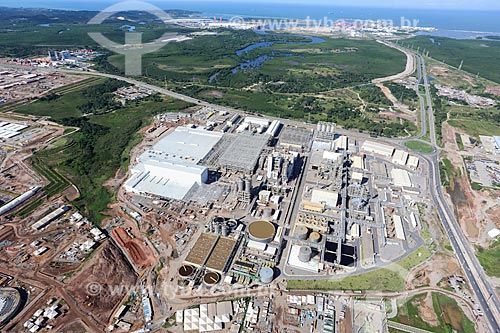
x,y
377,148
400,157
329,198
170,169
401,178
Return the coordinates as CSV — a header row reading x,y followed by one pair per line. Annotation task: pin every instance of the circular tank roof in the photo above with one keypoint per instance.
x,y
266,272
186,270
261,231
211,278
315,237
305,250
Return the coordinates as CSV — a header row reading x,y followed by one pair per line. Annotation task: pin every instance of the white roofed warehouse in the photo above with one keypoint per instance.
x,y
170,168
377,148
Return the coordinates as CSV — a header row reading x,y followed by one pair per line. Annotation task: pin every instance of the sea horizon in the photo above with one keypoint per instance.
x,y
455,23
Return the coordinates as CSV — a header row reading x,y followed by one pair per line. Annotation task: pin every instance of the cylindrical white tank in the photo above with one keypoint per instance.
x,y
266,275
305,254
301,232
267,214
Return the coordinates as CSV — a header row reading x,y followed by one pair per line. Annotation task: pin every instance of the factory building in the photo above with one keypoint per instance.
x,y
377,148
244,152
331,156
328,198
413,162
398,225
170,168
400,157
19,200
401,178
341,143
496,142
358,162
165,179
44,222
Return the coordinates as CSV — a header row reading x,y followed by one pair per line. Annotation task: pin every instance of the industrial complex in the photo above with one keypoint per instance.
x,y
227,221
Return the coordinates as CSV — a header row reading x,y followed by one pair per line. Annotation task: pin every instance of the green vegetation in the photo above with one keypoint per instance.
x,y
447,172
419,146
404,95
388,279
287,75
460,144
479,56
373,97
57,184
450,316
88,158
101,98
475,122
490,258
440,114
33,31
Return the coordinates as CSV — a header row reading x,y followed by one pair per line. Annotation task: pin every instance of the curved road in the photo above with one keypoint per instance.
x,y
480,284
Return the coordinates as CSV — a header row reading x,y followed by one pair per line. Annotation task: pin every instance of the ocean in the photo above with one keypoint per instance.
x,y
451,23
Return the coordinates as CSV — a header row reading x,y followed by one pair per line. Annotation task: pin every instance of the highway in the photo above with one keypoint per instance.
x,y
478,280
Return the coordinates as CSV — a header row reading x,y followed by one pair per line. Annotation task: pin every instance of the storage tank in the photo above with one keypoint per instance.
x,y
225,230
186,271
261,231
232,224
315,237
266,275
305,254
248,185
218,219
240,185
267,214
218,229
211,278
301,232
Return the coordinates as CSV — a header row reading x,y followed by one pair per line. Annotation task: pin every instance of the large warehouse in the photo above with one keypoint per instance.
x,y
377,148
170,168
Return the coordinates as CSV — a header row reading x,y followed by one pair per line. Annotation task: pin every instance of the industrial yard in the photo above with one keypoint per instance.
x,y
218,208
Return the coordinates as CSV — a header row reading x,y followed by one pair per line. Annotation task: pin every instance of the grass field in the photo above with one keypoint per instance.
x,y
479,56
450,316
447,172
419,147
64,107
490,259
57,184
92,155
386,279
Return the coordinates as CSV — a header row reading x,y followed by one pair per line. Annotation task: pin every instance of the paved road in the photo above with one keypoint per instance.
x,y
480,283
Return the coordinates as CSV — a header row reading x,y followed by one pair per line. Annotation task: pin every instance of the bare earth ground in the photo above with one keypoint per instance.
x,y
108,268
426,311
467,208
